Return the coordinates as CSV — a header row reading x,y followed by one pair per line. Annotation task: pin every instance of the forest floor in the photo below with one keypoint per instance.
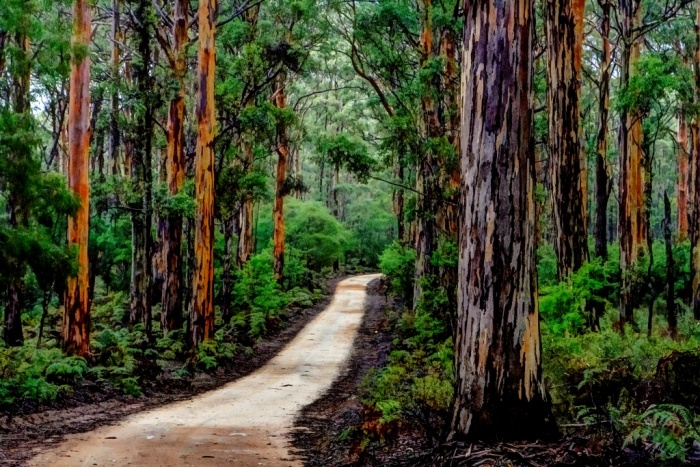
x,y
34,430
243,423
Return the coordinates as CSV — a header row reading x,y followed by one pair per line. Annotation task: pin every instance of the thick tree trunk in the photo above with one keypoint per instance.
x,y
278,209
76,316
170,225
141,175
601,169
631,222
500,392
682,176
202,305
695,184
564,49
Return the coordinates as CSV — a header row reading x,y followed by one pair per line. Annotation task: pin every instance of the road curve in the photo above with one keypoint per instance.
x,y
244,423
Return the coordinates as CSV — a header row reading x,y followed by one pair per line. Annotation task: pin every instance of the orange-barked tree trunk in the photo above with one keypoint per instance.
x,y
632,229
498,354
170,225
202,304
281,177
76,315
564,51
695,183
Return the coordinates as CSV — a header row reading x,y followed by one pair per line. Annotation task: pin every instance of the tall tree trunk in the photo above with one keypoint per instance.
x,y
16,197
564,50
427,173
695,183
141,174
631,221
682,176
170,225
601,169
114,136
670,280
278,209
499,387
202,304
76,316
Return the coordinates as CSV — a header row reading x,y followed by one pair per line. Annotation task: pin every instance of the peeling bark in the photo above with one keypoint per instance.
x,y
499,389
278,208
682,176
632,229
170,226
695,184
76,316
202,304
564,50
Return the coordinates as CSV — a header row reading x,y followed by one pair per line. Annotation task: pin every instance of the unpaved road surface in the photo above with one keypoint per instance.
x,y
245,423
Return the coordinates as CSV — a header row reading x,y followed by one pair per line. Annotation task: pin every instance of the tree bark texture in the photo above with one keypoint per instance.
x,y
281,176
170,225
76,316
202,305
631,221
499,384
141,174
428,171
695,183
564,50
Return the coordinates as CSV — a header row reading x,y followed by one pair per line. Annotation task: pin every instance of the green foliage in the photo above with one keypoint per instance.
x,y
258,293
398,264
667,432
37,375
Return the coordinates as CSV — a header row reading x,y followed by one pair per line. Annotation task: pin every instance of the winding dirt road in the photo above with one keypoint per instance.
x,y
246,422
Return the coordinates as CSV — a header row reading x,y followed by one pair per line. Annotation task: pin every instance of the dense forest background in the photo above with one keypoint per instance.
x,y
214,164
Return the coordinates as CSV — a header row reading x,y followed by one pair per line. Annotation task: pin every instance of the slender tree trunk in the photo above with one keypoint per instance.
x,y
601,169
695,184
278,209
16,198
682,176
227,276
426,239
76,316
564,48
499,388
245,220
114,136
631,221
670,266
202,305
141,174
170,225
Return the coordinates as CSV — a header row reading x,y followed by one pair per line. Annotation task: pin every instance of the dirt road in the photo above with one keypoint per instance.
x,y
245,423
